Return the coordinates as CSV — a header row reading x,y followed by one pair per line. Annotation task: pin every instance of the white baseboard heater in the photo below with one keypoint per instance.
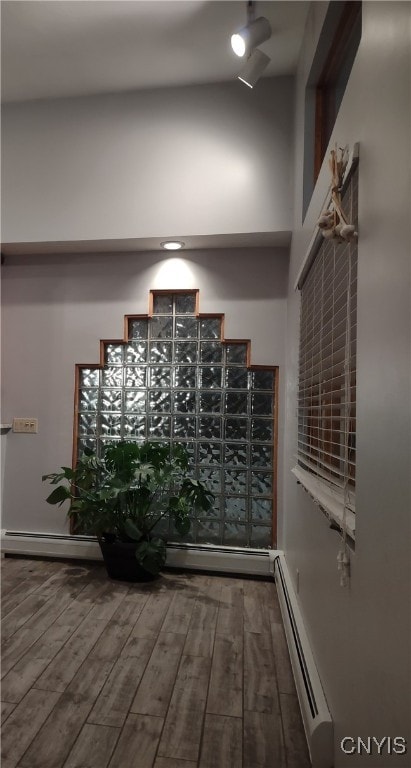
x,y
252,562
317,720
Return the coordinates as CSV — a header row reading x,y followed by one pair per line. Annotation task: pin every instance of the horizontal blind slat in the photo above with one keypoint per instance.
x,y
326,404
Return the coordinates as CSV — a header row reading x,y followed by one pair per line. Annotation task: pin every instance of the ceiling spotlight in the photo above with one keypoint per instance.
x,y
254,68
253,34
172,245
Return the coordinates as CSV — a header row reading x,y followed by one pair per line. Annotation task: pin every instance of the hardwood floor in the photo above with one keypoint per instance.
x,y
190,671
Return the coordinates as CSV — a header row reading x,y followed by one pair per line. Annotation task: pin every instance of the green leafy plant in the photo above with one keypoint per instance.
x,y
124,495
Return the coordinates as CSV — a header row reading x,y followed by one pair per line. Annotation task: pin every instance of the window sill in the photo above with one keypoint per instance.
x,y
329,500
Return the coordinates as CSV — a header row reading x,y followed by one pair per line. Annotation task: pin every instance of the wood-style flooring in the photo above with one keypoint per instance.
x,y
189,671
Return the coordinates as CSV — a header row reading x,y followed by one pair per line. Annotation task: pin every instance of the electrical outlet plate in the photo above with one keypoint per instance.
x,y
25,425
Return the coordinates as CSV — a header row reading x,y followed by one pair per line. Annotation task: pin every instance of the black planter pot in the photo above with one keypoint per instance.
x,y
120,561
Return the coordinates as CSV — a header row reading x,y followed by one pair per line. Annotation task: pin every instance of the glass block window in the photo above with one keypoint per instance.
x,y
175,378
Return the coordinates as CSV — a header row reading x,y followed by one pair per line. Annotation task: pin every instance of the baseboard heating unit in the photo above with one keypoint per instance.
x,y
314,710
252,562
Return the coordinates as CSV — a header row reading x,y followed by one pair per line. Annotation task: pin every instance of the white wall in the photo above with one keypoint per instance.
x,y
55,311
212,159
361,635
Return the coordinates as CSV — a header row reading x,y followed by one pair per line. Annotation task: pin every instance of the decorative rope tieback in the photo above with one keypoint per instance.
x,y
334,223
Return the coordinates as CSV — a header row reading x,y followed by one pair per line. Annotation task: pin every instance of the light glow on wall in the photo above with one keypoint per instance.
x,y
174,273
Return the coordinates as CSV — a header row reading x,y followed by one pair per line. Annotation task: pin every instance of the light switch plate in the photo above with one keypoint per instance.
x,y
25,425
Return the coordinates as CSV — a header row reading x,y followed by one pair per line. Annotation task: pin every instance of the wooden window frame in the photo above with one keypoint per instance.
x,y
325,108
224,341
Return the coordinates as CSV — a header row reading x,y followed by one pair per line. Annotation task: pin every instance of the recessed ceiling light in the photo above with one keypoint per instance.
x,y
172,245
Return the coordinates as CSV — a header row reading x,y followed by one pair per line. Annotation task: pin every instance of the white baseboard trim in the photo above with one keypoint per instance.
x,y
252,562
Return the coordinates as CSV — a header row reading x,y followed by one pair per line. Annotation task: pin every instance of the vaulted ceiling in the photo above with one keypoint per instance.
x,y
57,48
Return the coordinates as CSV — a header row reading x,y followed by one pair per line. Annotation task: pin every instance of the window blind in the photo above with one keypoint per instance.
x,y
327,360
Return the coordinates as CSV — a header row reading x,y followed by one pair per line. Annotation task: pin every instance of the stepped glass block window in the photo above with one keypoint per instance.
x,y
327,364
174,378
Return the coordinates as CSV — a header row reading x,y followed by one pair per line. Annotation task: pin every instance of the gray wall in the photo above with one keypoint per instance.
x,y
361,635
57,308
212,159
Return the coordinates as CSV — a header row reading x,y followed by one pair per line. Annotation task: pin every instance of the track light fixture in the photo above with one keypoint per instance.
x,y
253,34
244,44
254,68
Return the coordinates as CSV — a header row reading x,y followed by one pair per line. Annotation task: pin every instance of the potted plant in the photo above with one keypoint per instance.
x,y
122,498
